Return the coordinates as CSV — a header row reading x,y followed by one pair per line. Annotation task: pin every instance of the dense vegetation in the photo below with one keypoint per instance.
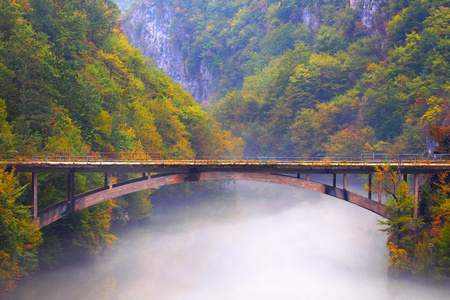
x,y
70,81
418,246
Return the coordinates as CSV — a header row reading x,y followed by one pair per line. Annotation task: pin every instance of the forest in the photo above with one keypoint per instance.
x,y
70,81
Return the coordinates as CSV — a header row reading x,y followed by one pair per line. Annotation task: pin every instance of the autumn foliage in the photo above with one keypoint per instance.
x,y
19,236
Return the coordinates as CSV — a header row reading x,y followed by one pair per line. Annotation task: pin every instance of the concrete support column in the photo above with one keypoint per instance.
x,y
380,194
344,182
334,180
298,175
106,180
70,185
34,193
405,177
307,177
71,189
110,181
416,195
370,186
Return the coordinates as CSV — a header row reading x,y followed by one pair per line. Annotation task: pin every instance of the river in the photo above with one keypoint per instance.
x,y
252,241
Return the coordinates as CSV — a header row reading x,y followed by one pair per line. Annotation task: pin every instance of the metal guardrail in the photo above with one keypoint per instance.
x,y
87,158
103,157
78,156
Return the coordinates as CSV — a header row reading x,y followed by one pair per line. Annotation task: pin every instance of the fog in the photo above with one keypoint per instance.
x,y
257,241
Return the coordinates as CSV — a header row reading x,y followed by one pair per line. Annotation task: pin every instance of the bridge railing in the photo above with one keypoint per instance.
x,y
78,156
363,159
104,157
130,156
306,160
68,158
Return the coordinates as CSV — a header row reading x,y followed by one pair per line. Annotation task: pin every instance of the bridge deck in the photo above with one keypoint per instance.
x,y
188,166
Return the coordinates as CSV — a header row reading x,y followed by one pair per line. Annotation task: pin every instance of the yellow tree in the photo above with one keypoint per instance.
x,y
398,260
401,225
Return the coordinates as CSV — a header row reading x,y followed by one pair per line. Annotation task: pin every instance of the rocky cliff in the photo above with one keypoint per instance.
x,y
147,26
371,14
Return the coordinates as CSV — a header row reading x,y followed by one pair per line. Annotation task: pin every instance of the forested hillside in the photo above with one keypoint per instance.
x,y
302,78
344,92
70,81
347,92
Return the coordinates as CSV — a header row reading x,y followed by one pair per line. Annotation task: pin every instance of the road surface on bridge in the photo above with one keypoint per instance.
x,y
186,166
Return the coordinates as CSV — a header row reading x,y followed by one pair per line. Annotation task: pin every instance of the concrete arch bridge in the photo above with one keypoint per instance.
x,y
156,173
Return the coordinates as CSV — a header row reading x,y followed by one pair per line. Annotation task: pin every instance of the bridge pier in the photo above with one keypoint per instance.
x,y
334,180
370,187
108,180
416,194
34,193
344,181
299,176
71,189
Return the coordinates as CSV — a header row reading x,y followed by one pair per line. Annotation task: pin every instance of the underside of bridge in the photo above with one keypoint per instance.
x,y
79,202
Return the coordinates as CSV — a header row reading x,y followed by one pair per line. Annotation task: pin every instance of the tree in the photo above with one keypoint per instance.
x,y
399,204
443,254
19,236
351,142
398,260
330,41
7,138
401,224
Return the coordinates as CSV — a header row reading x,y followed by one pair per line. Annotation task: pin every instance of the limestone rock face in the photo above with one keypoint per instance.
x,y
309,19
371,12
147,27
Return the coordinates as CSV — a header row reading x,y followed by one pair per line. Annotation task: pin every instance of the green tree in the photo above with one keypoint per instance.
x,y
443,254
7,138
330,41
399,205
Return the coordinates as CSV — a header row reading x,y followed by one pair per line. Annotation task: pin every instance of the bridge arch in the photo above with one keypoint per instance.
x,y
81,201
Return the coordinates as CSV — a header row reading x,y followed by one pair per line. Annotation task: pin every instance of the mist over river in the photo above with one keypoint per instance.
x,y
249,241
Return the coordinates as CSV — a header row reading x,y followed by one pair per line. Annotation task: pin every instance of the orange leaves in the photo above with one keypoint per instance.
x,y
439,133
398,260
9,274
